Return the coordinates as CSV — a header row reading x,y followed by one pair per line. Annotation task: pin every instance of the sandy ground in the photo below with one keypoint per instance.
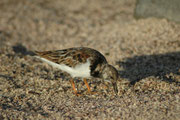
x,y
146,53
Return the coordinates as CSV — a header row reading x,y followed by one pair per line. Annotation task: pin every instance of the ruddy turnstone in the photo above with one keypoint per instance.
x,y
81,62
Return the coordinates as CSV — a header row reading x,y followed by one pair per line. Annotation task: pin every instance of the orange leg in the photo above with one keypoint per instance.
x,y
89,89
74,88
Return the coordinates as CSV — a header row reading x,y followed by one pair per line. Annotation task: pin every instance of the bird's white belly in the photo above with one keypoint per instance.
x,y
81,70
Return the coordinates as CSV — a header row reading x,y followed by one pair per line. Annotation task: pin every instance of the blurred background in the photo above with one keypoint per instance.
x,y
109,26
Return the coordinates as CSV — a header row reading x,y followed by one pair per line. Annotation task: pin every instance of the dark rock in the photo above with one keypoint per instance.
x,y
168,9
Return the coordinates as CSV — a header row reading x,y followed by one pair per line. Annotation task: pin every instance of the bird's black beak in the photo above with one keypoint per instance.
x,y
114,84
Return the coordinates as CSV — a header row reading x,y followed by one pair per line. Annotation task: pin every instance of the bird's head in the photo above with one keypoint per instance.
x,y
110,74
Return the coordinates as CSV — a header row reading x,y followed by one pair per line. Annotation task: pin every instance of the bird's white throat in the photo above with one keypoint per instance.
x,y
80,70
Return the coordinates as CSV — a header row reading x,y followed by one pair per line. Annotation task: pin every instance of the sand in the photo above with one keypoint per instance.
x,y
146,52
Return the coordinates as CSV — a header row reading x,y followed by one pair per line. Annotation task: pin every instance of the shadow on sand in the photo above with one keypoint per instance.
x,y
20,49
160,65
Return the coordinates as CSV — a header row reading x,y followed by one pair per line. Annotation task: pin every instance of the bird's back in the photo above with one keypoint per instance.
x,y
75,56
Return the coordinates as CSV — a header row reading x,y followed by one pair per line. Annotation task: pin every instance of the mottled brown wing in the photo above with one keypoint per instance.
x,y
70,57
49,55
